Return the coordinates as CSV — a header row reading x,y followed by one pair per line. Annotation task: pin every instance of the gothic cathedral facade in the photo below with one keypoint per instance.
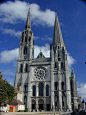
x,y
45,83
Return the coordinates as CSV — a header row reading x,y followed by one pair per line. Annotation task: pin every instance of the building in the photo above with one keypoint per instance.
x,y
16,104
44,82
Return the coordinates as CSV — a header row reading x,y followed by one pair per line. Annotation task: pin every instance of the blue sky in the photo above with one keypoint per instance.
x,y
72,18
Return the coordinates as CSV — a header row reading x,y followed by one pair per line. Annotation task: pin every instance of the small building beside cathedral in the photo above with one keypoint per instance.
x,y
45,83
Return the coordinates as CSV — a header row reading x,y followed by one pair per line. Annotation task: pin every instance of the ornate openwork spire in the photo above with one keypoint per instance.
x,y
28,24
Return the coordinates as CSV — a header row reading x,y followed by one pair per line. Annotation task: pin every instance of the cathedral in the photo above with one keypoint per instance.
x,y
45,83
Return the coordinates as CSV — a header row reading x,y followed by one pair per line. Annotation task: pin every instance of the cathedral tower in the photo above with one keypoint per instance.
x,y
26,49
59,66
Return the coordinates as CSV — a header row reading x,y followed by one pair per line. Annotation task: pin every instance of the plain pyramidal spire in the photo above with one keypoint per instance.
x,y
57,36
28,23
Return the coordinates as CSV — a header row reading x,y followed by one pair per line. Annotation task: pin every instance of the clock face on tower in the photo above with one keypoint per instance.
x,y
40,73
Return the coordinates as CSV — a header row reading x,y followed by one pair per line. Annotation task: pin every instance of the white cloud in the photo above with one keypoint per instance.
x,y
82,91
35,37
71,60
46,38
9,72
8,56
12,32
12,12
46,17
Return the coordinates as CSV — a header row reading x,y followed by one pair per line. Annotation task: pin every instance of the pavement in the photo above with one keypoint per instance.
x,y
36,113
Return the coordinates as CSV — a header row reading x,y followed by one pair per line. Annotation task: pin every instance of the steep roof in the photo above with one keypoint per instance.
x,y
57,35
40,55
28,23
70,74
14,102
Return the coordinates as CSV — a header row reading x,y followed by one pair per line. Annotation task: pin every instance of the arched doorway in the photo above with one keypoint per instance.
x,y
48,105
41,103
33,104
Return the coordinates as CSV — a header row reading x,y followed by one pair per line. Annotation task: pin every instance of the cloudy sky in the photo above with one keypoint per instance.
x,y
72,18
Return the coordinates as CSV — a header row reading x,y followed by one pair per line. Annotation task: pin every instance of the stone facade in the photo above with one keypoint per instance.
x,y
45,82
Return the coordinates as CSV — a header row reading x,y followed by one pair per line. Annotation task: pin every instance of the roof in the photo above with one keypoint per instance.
x,y
14,102
16,90
70,75
40,55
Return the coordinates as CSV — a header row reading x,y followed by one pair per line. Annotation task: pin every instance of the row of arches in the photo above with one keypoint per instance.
x,y
56,86
40,90
26,39
26,68
57,66
40,104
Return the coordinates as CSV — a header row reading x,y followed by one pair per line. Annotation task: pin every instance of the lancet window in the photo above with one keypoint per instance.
x,y
25,50
47,90
26,68
21,68
34,90
40,89
62,85
56,85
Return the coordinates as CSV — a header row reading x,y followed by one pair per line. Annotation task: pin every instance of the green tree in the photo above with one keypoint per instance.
x,y
7,92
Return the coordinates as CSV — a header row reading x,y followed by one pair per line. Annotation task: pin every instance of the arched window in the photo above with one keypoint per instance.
x,y
47,90
41,89
21,68
62,85
25,50
61,65
55,65
58,57
26,67
56,85
25,39
25,101
34,90
25,88
29,39
22,39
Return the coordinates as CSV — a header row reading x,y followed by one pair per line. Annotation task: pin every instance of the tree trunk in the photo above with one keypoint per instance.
x,y
0,108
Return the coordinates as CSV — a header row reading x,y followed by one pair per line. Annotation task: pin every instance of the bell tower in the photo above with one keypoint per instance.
x,y
26,49
59,66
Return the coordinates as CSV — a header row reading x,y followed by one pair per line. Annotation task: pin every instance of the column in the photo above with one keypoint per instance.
x,y
36,89
52,87
45,104
29,93
60,92
18,67
60,101
68,93
36,96
44,89
37,104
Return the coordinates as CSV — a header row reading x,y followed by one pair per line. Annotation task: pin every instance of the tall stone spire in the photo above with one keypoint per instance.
x,y
28,24
57,36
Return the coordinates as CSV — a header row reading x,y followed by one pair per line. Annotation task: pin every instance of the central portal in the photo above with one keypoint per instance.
x,y
41,106
41,103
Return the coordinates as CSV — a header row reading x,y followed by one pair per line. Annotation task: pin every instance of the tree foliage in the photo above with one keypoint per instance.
x,y
6,91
